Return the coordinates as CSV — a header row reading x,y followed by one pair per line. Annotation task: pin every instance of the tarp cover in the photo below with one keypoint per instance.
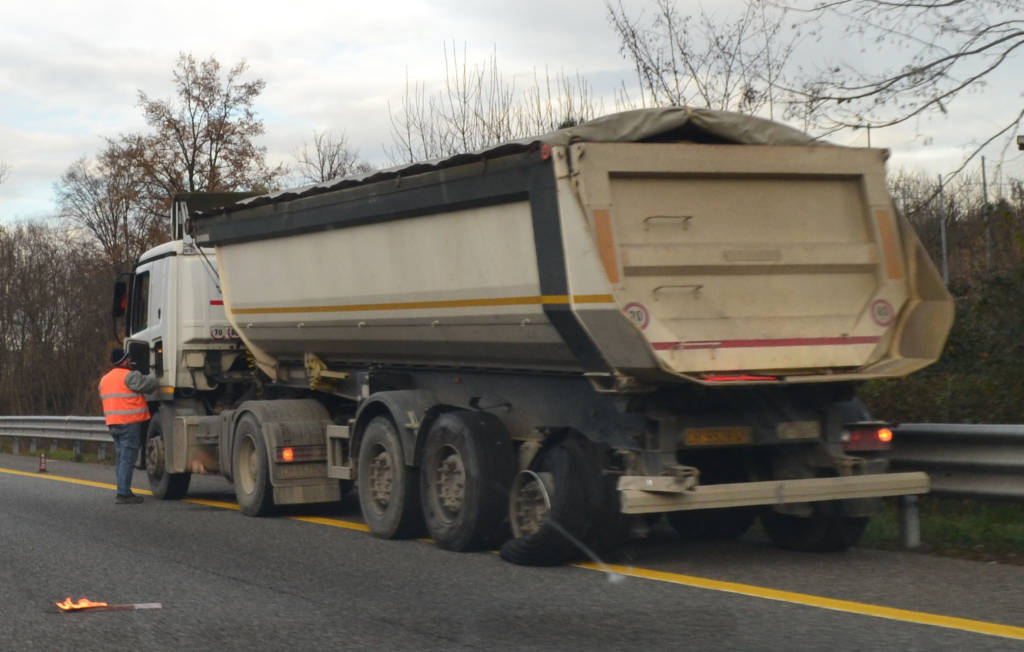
x,y
671,124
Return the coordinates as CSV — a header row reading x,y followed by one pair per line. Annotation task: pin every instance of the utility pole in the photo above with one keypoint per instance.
x,y
985,214
942,232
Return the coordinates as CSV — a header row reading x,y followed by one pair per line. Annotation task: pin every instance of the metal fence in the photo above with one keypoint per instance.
x,y
28,432
964,460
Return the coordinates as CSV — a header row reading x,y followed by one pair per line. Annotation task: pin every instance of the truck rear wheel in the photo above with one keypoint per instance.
x,y
712,524
164,485
826,530
466,470
388,489
548,506
252,473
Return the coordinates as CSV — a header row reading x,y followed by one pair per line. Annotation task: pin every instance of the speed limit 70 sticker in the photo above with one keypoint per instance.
x,y
637,312
223,333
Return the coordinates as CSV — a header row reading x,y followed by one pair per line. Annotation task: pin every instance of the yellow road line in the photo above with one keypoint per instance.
x,y
333,522
805,599
862,608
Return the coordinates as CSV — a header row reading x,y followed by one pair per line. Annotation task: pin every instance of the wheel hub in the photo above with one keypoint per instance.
x,y
451,480
530,502
381,477
155,456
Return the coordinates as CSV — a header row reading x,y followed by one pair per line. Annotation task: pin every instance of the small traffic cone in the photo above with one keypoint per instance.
x,y
42,462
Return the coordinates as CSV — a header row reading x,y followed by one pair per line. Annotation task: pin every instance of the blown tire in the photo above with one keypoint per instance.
x,y
550,506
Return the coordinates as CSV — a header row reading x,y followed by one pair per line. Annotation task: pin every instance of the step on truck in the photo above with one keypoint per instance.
x,y
535,346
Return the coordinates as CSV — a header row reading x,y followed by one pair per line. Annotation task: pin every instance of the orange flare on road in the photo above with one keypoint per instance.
x,y
83,603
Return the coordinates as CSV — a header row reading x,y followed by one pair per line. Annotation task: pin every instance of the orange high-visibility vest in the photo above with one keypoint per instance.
x,y
120,404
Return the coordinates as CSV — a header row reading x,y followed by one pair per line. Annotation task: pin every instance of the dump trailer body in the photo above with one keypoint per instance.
x,y
666,310
738,251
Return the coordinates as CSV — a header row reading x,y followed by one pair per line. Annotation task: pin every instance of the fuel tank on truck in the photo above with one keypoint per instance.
x,y
658,244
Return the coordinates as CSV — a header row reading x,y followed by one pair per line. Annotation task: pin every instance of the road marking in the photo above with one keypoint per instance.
x,y
61,478
750,590
333,522
319,520
849,606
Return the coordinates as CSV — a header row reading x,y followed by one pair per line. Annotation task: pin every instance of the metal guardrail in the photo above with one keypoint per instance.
x,y
54,429
83,428
964,460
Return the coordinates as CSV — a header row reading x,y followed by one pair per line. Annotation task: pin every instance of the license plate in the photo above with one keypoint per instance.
x,y
717,436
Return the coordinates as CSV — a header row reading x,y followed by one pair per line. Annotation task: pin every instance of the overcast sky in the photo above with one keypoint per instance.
x,y
70,72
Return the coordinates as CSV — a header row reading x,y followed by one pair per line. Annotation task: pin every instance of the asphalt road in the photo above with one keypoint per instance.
x,y
312,579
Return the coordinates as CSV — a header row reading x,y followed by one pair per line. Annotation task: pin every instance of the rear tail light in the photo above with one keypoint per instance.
x,y
287,454
867,437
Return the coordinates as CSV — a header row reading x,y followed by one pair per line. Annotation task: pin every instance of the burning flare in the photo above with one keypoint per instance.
x,y
83,603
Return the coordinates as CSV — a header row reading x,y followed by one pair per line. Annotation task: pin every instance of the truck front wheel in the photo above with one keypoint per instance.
x,y
252,473
388,489
164,485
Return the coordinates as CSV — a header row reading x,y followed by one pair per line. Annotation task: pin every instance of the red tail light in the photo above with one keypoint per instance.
x,y
867,438
287,454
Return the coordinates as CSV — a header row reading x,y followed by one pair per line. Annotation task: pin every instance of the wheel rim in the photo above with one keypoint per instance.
x,y
155,456
530,503
381,478
247,463
449,482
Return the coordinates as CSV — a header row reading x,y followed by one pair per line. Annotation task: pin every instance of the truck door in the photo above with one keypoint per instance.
x,y
147,311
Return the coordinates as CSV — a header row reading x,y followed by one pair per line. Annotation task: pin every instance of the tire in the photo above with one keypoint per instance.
x,y
465,474
388,489
164,485
826,530
712,524
251,471
550,506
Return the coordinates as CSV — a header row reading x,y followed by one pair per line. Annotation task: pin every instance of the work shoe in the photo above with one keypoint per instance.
x,y
131,499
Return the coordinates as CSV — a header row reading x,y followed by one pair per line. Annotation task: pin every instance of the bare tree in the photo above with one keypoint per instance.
x,y
478,106
54,321
328,157
106,199
933,53
204,140
702,60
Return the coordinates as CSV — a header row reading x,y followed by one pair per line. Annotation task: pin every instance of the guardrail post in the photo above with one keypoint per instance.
x,y
15,448
910,522
78,450
32,445
53,445
101,452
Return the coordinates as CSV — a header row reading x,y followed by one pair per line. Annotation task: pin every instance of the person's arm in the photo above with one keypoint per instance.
x,y
141,384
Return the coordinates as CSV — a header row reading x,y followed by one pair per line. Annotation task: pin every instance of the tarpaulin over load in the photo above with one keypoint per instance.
x,y
671,124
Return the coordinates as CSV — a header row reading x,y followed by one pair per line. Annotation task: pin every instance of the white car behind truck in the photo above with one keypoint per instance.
x,y
660,311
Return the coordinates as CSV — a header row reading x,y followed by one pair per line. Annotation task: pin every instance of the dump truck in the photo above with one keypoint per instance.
x,y
541,344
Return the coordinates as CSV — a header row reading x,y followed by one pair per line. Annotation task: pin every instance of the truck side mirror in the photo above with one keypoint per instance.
x,y
139,351
120,305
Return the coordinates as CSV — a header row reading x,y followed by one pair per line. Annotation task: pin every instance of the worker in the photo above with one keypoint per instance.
x,y
126,412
